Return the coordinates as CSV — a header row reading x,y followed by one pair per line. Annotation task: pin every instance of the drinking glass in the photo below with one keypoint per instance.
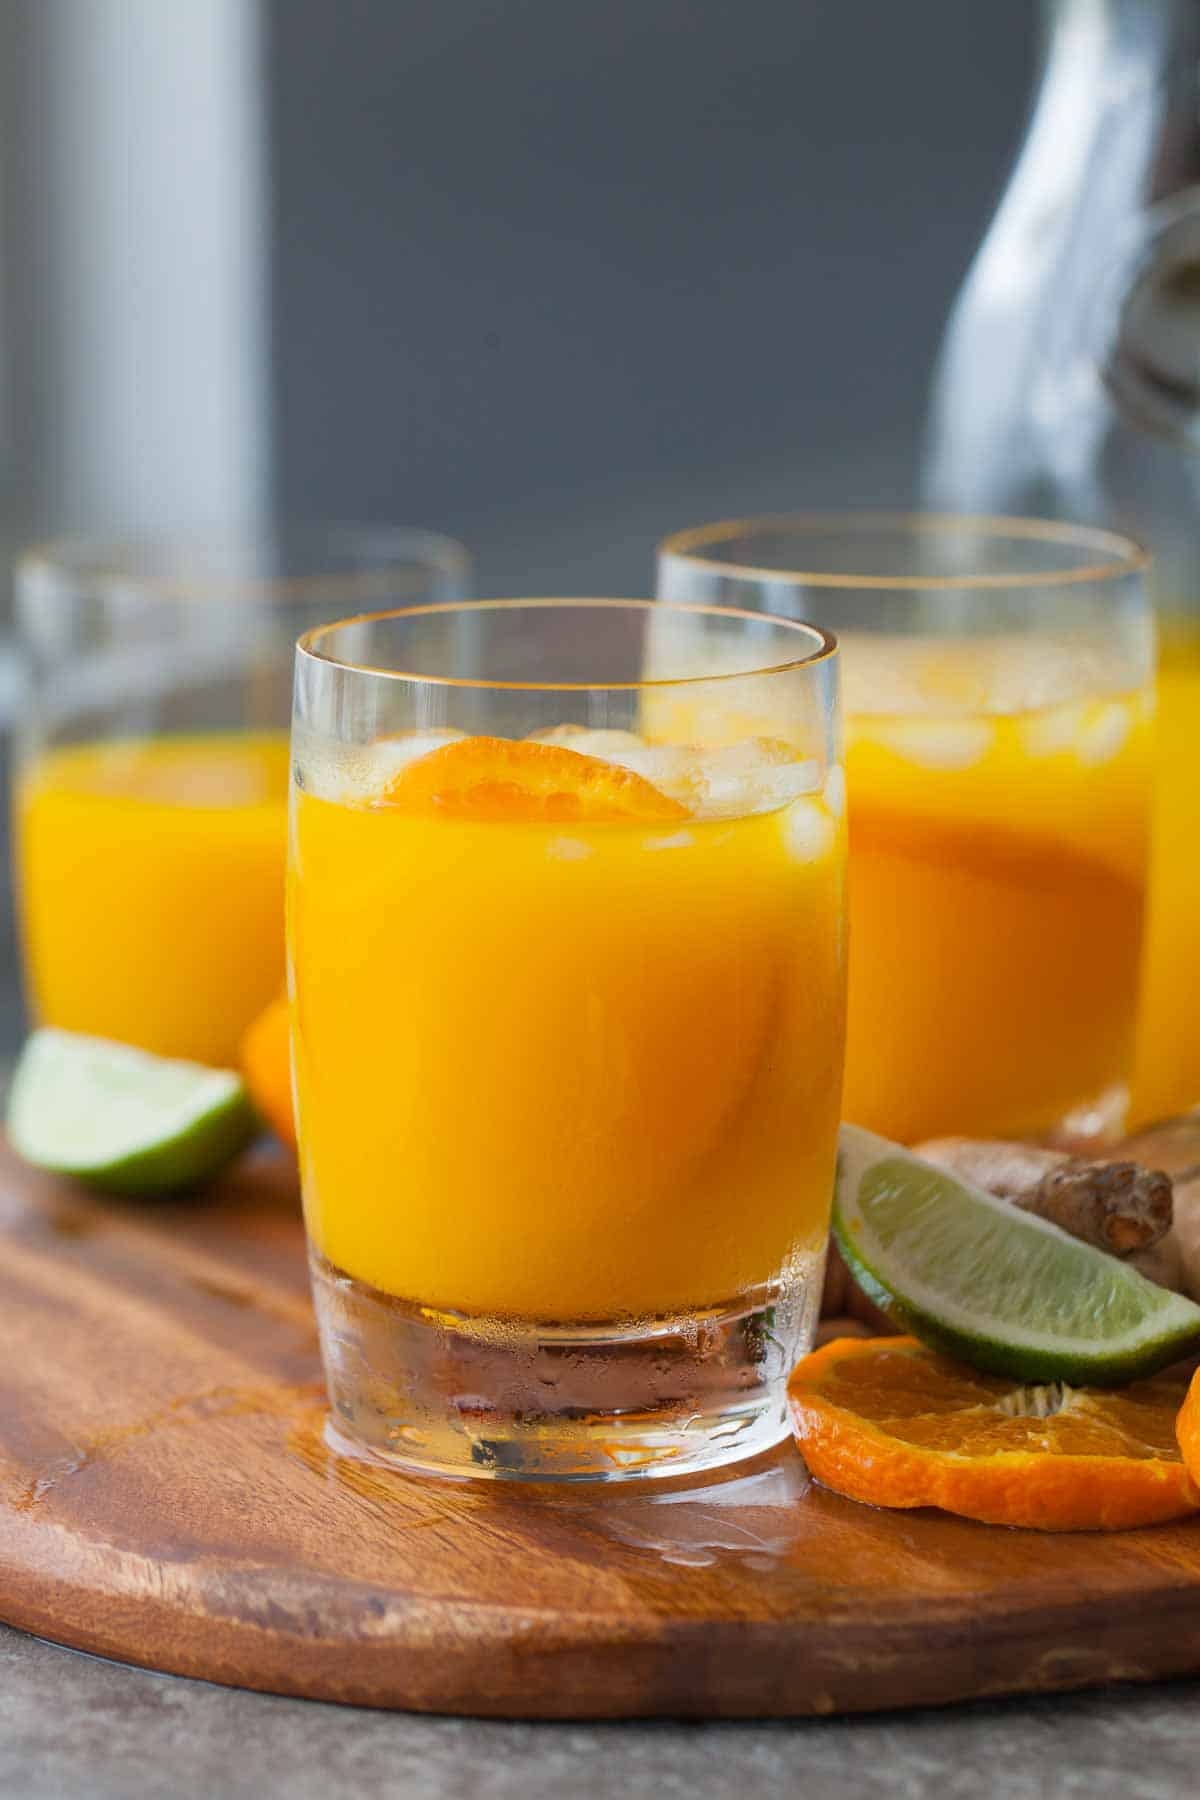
x,y
565,953
997,690
1069,381
151,786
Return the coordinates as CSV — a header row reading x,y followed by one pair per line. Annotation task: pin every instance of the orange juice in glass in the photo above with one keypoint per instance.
x,y
999,729
1166,1077
151,793
568,1011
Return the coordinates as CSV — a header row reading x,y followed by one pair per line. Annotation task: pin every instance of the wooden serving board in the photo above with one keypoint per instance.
x,y
167,1498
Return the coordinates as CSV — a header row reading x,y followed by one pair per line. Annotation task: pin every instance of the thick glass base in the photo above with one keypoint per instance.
x,y
449,1394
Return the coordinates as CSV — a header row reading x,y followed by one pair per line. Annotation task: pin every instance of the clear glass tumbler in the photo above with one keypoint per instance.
x,y
565,948
1069,383
998,714
151,785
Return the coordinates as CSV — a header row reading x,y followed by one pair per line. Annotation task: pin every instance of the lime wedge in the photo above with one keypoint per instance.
x,y
992,1285
121,1119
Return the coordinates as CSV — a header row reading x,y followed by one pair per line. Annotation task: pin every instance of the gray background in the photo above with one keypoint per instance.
x,y
555,275
111,1733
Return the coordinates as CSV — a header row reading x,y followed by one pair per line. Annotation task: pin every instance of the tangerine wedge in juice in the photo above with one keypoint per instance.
x,y
151,795
568,1012
999,717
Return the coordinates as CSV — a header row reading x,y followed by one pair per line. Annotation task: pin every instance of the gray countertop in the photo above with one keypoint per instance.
x,y
73,1726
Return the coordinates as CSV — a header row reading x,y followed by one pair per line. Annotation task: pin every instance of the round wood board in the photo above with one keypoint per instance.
x,y
167,1498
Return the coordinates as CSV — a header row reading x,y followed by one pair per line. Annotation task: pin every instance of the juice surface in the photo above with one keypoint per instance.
x,y
1167,1065
151,883
996,894
566,1071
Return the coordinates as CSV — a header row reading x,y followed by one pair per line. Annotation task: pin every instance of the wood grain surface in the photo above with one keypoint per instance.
x,y
167,1498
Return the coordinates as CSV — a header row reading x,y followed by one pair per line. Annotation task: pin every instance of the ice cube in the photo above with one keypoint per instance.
x,y
671,768
608,743
320,768
379,763
937,743
808,830
1057,729
353,773
1105,734
755,775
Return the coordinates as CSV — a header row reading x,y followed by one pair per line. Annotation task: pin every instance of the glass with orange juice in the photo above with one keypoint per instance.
x,y
151,794
997,682
1166,1071
567,1009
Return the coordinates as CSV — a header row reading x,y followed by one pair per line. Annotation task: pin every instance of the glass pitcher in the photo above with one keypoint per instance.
x,y
1069,385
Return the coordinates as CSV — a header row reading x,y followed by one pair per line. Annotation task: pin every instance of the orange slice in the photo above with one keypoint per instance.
x,y
267,1068
1187,1429
494,778
887,1421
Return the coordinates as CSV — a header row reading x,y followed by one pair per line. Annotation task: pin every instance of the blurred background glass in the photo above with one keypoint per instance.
x,y
542,276
152,766
997,694
1069,384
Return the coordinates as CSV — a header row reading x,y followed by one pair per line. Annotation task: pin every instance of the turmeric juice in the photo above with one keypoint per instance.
x,y
1167,1066
151,878
996,893
571,1049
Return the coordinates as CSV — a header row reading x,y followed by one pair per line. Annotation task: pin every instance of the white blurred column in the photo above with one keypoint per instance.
x,y
134,251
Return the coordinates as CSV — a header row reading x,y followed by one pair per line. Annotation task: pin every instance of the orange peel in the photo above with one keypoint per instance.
x,y
889,1422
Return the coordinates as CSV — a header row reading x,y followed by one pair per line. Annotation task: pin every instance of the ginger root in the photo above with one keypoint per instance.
x,y
1116,1206
1164,1263
1174,1145
1185,1233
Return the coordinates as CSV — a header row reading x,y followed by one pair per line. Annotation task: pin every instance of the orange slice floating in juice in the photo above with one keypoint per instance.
x,y
494,778
887,1421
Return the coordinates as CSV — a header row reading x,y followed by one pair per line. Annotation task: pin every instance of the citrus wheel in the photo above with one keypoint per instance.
x,y
892,1423
495,778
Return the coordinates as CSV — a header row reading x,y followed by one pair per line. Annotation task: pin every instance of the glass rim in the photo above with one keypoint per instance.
x,y
111,561
825,650
1116,554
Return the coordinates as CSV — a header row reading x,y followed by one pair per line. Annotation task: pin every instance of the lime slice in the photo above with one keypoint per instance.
x,y
121,1119
992,1285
